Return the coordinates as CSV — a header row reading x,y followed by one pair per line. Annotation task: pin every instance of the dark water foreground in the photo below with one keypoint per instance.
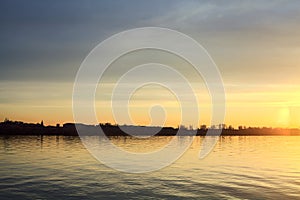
x,y
239,167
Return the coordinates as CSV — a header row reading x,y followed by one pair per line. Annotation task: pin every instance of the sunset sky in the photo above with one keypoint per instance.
x,y
255,44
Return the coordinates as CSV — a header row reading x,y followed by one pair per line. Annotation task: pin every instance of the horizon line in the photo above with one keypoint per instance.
x,y
203,126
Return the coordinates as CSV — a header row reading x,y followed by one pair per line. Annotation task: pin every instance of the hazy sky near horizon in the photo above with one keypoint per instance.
x,y
255,44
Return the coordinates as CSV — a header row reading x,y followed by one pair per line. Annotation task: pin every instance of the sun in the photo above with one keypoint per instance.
x,y
283,117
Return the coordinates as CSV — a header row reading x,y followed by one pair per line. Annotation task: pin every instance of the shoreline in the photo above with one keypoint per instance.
x,y
71,129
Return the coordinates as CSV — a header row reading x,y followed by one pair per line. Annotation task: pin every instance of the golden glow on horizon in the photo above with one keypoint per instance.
x,y
249,108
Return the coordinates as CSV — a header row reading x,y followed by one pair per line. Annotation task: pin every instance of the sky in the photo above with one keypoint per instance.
x,y
255,44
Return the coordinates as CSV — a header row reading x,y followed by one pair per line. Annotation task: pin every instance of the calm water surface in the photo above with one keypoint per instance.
x,y
52,167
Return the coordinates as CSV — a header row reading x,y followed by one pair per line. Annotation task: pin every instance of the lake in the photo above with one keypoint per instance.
x,y
239,167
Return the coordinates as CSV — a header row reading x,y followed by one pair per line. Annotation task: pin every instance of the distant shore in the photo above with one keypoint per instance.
x,y
8,127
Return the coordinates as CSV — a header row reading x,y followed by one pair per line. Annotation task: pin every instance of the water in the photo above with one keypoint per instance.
x,y
59,167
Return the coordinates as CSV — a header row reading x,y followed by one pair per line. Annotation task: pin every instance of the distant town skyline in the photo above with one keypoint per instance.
x,y
9,127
